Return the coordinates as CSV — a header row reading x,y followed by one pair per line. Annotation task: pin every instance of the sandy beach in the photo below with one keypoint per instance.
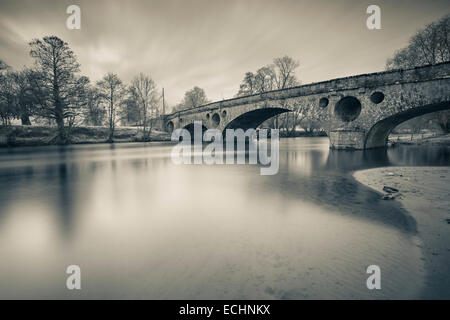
x,y
424,192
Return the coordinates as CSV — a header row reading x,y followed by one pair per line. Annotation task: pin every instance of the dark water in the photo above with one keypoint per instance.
x,y
140,226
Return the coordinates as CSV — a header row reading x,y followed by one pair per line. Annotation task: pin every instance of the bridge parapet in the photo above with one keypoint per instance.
x,y
369,80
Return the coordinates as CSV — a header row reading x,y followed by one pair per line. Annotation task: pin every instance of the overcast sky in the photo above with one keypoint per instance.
x,y
211,44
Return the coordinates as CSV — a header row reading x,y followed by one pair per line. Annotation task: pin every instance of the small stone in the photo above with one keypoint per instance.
x,y
388,196
392,196
389,189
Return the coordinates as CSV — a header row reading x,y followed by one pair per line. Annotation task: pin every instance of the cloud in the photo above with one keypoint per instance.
x,y
211,44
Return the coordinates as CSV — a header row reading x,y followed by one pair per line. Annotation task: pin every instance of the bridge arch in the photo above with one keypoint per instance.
x,y
252,119
170,126
378,135
190,127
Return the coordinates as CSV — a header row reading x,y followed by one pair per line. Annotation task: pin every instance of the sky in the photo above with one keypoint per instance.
x,y
211,44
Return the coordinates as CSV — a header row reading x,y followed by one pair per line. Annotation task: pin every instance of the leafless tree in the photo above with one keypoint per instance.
x,y
279,75
248,85
285,72
8,97
95,112
285,78
143,89
111,92
442,119
3,66
192,99
26,101
55,83
429,45
265,79
291,120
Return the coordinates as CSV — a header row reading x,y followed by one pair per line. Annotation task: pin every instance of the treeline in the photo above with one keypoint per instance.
x,y
281,74
192,99
53,92
429,45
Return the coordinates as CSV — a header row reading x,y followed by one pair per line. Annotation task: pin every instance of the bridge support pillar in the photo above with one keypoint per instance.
x,y
347,139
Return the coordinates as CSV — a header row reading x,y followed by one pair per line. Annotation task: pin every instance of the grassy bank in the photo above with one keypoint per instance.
x,y
11,136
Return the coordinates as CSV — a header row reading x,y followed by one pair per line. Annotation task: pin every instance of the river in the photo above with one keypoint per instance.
x,y
140,226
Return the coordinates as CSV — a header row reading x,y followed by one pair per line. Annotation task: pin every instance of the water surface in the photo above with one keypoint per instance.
x,y
141,227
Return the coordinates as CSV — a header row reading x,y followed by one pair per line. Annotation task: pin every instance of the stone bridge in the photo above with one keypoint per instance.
x,y
356,112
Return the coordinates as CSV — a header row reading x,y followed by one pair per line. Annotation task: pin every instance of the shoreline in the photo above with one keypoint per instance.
x,y
419,139
39,136
424,193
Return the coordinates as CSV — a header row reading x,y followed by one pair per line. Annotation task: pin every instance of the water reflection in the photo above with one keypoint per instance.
x,y
142,227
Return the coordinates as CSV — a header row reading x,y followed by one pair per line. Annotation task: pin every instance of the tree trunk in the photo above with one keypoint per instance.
x,y
111,120
25,118
62,137
144,133
111,132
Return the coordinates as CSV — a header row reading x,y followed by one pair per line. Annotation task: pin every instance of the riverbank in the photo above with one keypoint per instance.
x,y
19,135
12,136
424,192
419,138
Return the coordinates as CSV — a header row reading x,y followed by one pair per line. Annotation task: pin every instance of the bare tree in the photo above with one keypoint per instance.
x,y
291,120
3,66
8,97
111,92
79,98
248,85
5,103
16,96
265,79
95,112
279,75
129,112
442,119
26,100
192,99
143,88
285,78
262,81
55,84
285,72
429,45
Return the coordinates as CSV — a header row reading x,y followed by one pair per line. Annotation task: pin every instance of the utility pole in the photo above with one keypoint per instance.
x,y
164,105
